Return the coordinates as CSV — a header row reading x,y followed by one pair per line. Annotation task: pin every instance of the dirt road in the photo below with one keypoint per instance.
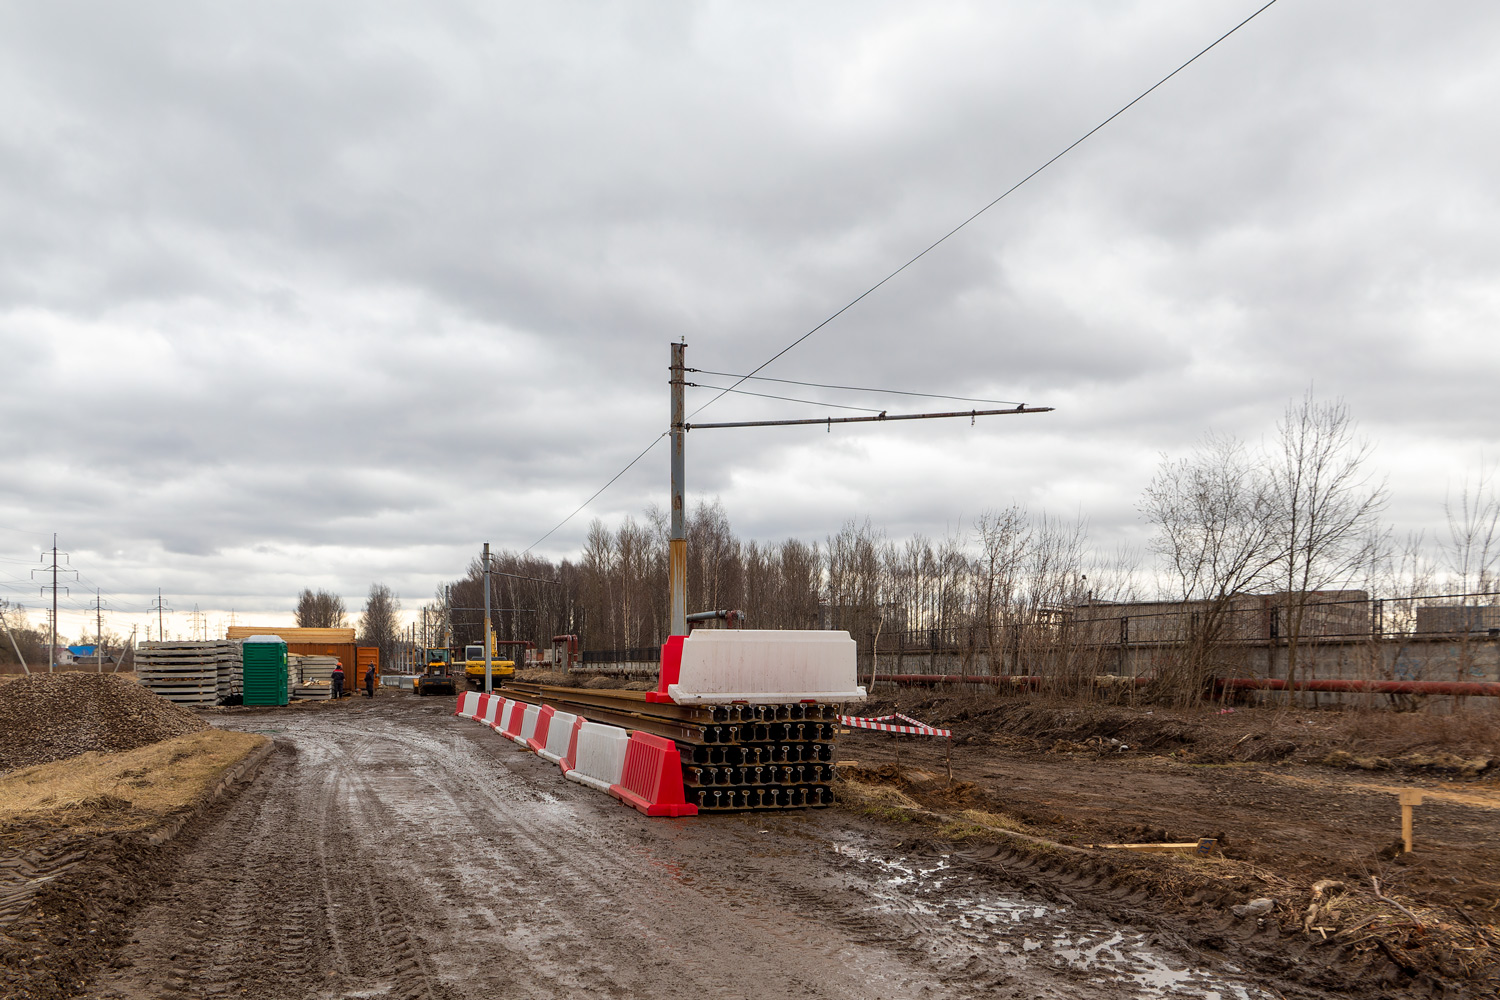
x,y
390,850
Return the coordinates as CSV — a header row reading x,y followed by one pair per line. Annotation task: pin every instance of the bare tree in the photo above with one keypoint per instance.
x,y
1473,547
321,610
380,622
1323,508
1215,531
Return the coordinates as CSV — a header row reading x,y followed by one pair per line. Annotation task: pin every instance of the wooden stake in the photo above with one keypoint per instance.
x,y
950,760
1409,797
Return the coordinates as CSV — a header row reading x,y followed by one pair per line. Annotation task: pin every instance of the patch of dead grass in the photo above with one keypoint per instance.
x,y
126,790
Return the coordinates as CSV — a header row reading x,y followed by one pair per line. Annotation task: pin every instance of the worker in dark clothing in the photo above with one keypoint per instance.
x,y
370,682
338,679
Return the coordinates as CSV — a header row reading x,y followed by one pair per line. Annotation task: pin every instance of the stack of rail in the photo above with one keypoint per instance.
x,y
754,714
189,673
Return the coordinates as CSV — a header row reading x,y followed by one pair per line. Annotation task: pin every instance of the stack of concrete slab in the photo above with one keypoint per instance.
x,y
188,673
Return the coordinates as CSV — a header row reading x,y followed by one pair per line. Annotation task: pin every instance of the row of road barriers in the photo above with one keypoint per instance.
x,y
639,769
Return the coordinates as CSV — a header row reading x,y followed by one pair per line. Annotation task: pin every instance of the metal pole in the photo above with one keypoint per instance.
x,y
13,643
677,546
488,635
52,653
98,632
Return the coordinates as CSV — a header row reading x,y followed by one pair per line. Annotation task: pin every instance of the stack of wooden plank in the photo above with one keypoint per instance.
x,y
188,673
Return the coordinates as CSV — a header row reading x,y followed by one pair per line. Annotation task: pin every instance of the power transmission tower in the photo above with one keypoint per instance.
x,y
198,623
160,607
54,568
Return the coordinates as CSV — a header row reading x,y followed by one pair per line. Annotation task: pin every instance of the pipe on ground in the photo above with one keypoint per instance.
x,y
1478,689
1465,688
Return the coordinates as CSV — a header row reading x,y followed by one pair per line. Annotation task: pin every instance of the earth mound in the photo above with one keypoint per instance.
x,y
47,717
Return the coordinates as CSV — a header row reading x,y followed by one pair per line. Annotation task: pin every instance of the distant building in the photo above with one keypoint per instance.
x,y
1248,618
1456,619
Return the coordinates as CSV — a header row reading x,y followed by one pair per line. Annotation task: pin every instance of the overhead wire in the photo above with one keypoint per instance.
x,y
930,247
655,441
854,388
1001,197
787,399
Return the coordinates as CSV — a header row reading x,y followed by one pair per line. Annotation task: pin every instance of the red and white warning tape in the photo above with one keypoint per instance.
x,y
916,728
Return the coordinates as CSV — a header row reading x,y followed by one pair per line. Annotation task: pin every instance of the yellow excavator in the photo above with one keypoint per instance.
x,y
500,670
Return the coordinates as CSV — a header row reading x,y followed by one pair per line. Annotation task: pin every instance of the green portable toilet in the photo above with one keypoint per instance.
x,y
265,670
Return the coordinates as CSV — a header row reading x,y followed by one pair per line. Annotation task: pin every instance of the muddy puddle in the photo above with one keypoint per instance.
x,y
1018,933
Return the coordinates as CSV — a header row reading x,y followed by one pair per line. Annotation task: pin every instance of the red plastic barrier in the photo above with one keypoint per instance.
x,y
543,723
458,709
671,667
652,778
513,724
570,759
484,704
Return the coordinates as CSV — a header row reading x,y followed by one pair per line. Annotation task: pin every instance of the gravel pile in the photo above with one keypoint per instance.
x,y
48,717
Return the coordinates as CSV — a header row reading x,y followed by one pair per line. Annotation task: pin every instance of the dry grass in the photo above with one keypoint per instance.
x,y
127,790
1468,734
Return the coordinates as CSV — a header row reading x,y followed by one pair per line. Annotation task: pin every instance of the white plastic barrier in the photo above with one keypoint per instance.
x,y
467,703
559,734
491,710
601,755
528,724
766,666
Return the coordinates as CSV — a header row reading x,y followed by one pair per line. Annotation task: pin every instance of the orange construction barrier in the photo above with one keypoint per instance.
x,y
651,779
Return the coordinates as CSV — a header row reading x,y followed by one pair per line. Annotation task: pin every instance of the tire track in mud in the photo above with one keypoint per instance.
x,y
398,852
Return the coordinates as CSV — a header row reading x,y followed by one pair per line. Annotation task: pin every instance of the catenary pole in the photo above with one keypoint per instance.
x,y
677,546
488,635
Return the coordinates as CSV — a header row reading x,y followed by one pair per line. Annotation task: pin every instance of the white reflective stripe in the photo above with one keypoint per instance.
x,y
766,666
470,704
559,733
601,755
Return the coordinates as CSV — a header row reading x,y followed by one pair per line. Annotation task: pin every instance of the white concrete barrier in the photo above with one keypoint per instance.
x,y
766,666
528,724
467,703
559,734
601,755
491,711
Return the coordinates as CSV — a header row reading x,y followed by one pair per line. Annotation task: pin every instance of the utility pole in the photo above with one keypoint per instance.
x,y
160,608
12,636
54,569
98,632
677,546
488,635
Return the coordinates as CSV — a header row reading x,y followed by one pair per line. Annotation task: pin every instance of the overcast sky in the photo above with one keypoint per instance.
x,y
316,295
